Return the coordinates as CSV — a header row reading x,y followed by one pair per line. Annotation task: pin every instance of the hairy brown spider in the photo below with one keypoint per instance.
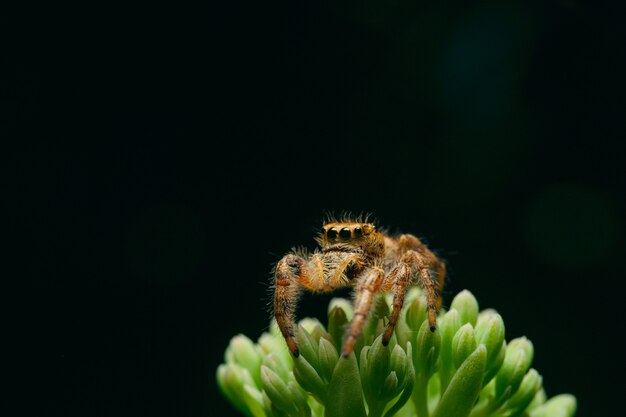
x,y
354,253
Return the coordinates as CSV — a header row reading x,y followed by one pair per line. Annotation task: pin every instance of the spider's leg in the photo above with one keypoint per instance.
x,y
398,280
440,269
425,277
292,274
409,242
367,288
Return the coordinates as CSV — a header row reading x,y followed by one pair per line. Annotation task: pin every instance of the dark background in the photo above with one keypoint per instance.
x,y
163,157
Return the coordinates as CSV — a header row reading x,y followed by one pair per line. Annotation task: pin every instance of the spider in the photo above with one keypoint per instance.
x,y
353,253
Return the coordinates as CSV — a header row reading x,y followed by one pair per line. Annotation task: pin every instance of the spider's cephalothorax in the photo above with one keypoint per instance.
x,y
355,253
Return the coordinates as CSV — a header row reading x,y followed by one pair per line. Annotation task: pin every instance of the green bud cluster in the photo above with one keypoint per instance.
x,y
465,368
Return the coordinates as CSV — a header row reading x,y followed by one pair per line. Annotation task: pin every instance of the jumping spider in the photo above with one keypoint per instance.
x,y
354,253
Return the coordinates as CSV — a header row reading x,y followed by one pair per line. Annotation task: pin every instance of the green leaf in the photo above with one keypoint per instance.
x,y
345,396
459,397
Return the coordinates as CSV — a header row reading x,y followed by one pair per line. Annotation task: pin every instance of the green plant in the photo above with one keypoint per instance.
x,y
465,368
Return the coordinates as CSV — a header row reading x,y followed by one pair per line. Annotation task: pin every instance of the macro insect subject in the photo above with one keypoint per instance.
x,y
354,253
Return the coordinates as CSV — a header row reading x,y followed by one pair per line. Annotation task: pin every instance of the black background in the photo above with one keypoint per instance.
x,y
163,157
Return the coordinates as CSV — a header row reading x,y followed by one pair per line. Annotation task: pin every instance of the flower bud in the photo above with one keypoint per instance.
x,y
243,352
460,396
270,343
467,306
284,396
254,400
416,313
526,391
374,324
383,373
524,344
274,386
327,359
238,387
345,395
449,324
490,332
539,399
517,360
273,362
563,405
406,378
229,384
427,346
337,323
463,344
485,315
307,345
310,325
342,304
309,379
390,387
399,363
494,367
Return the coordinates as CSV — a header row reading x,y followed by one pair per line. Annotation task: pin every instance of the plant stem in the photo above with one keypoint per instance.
x,y
420,396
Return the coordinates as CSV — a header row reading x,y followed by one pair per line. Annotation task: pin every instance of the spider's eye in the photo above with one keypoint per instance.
x,y
323,231
332,233
344,234
358,232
